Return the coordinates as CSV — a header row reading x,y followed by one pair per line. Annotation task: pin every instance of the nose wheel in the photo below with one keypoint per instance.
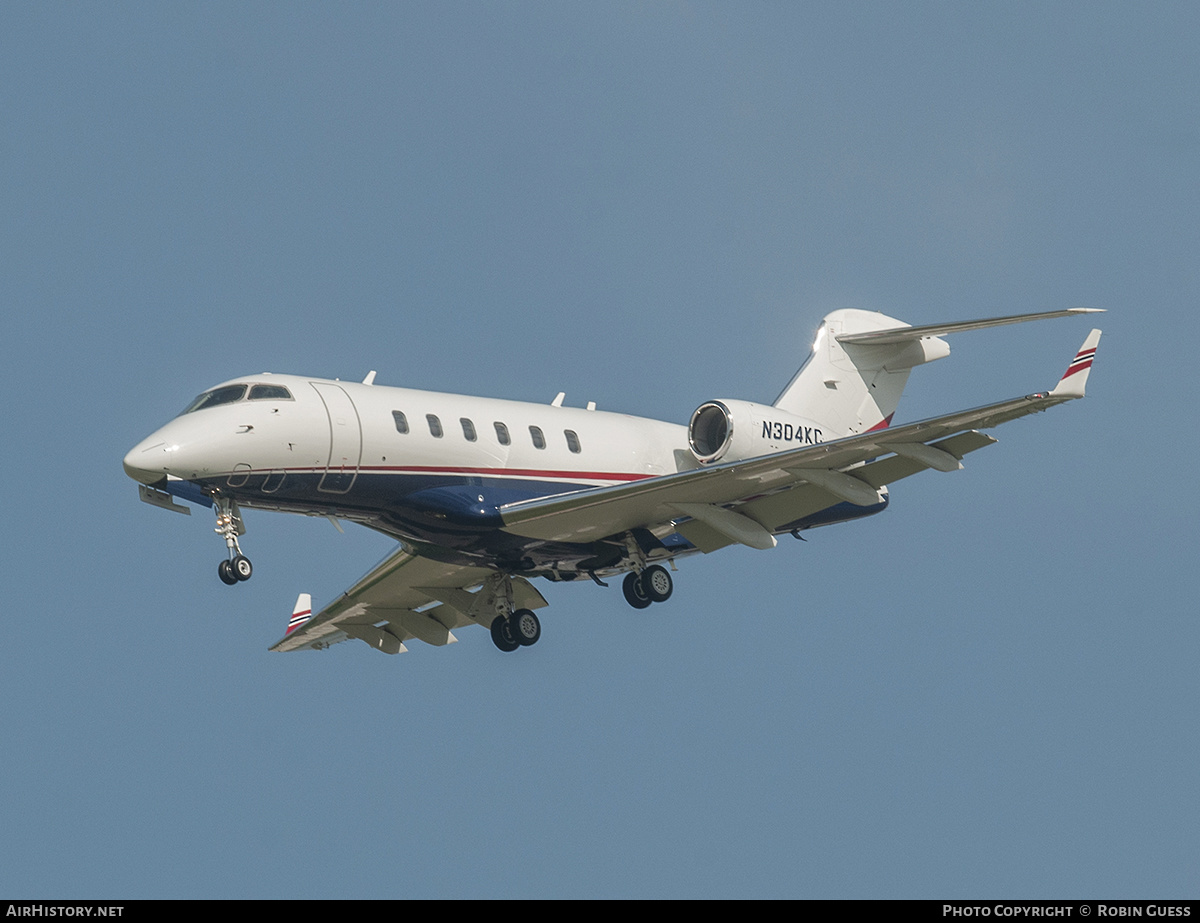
x,y
229,526
235,570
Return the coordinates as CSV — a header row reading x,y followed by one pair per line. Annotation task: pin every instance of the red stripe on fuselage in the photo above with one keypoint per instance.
x,y
882,424
486,472
508,472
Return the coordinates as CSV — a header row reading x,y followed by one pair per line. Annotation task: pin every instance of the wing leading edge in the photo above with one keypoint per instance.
x,y
771,492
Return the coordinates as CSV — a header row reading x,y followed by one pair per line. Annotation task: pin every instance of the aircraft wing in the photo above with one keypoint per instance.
x,y
405,596
746,501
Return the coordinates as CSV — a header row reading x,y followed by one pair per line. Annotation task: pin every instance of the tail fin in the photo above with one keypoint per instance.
x,y
301,613
852,387
861,361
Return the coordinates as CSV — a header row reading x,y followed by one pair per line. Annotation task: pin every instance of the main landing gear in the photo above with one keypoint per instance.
x,y
511,627
229,526
652,585
520,629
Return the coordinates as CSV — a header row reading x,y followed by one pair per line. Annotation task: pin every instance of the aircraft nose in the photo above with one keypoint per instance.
x,y
146,461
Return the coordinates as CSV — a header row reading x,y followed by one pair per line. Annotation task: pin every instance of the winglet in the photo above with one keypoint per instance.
x,y
301,613
1075,378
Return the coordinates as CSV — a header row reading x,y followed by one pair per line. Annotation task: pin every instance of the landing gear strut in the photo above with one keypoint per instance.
x,y
229,526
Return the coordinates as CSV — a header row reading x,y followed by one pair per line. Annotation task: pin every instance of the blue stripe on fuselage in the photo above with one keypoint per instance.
x,y
457,504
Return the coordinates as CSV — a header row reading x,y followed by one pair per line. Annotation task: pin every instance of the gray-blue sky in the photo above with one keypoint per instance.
x,y
988,690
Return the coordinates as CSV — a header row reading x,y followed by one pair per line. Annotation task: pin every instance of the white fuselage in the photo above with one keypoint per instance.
x,y
423,466
351,427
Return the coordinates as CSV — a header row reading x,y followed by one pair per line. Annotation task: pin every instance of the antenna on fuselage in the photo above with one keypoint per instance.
x,y
557,402
370,379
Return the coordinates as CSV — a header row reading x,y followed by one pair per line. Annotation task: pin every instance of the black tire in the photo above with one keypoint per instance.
x,y
635,595
502,635
241,568
225,572
657,583
526,628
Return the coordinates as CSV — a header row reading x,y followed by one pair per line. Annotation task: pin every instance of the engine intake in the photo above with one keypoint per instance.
x,y
735,430
710,432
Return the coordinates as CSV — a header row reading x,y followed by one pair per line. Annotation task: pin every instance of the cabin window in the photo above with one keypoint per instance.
x,y
539,441
401,421
213,398
572,440
502,433
468,429
270,393
435,425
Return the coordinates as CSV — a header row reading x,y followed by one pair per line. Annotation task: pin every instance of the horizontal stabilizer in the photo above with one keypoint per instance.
x,y
906,334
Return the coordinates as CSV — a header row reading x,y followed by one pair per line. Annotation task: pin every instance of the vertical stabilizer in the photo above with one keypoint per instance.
x,y
851,387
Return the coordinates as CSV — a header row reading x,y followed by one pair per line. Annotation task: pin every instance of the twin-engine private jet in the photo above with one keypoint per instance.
x,y
485,494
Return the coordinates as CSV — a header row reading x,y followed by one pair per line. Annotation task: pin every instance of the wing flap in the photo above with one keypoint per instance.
x,y
788,506
704,536
897,467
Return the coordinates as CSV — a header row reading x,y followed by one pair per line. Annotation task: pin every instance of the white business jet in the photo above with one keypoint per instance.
x,y
486,494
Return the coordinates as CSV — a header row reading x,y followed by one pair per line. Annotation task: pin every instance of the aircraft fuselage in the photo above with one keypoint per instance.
x,y
427,467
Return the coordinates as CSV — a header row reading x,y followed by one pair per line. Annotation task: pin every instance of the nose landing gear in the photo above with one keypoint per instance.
x,y
235,570
229,526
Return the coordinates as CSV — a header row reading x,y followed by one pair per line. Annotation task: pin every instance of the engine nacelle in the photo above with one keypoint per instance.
x,y
736,430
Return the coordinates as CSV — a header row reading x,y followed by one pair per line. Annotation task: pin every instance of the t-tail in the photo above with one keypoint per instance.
x,y
861,361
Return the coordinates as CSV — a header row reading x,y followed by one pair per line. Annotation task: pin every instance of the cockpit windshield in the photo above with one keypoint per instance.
x,y
225,395
230,394
269,393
